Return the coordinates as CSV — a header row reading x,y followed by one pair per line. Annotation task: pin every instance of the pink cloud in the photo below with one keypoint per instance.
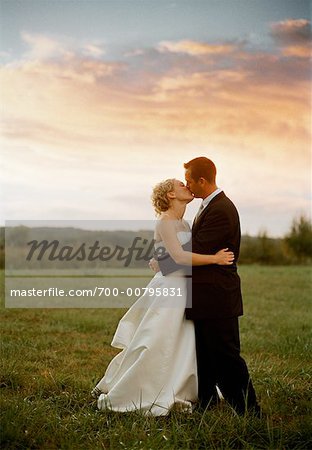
x,y
294,36
195,48
292,30
300,51
74,99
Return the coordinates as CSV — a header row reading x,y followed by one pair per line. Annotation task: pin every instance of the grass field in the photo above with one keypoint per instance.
x,y
52,358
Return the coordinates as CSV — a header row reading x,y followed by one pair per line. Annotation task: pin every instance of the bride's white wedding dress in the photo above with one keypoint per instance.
x,y
156,369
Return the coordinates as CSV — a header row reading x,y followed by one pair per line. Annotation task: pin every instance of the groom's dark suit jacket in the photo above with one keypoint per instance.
x,y
216,290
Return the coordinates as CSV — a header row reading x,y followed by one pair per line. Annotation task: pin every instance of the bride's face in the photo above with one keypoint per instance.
x,y
182,192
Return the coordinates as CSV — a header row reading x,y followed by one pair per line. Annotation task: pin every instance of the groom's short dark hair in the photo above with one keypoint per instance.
x,y
202,167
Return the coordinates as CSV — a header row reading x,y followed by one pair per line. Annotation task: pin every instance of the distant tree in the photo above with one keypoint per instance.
x,y
299,239
262,249
265,248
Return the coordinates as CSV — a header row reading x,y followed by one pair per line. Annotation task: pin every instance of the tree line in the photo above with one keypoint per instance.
x,y
294,248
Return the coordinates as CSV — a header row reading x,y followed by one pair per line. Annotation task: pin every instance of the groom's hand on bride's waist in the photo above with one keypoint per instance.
x,y
153,264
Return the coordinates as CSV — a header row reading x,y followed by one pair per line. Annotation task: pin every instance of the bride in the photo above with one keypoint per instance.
x,y
156,370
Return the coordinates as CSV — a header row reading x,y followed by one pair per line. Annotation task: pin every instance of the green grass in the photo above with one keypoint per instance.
x,y
52,358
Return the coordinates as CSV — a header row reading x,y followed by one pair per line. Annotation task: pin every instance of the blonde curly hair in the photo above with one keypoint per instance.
x,y
159,196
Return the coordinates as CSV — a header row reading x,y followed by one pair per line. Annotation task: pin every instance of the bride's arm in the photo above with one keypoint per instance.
x,y
167,231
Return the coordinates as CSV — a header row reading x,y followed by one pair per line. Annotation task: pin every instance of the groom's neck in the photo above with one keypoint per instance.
x,y
209,189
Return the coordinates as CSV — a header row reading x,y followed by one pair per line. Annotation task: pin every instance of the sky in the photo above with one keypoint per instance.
x,y
101,100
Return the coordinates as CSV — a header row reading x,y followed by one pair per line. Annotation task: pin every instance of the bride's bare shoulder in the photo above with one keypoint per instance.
x,y
164,222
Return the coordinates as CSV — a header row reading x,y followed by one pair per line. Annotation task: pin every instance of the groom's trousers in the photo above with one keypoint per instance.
x,y
219,363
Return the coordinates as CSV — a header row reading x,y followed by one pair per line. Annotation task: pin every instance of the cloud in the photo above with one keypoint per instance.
x,y
294,36
94,50
72,97
292,30
60,73
196,48
44,47
71,68
298,51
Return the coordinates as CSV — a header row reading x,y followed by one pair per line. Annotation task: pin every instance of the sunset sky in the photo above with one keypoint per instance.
x,y
103,99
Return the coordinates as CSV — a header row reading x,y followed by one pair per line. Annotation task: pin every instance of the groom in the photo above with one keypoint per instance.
x,y
216,294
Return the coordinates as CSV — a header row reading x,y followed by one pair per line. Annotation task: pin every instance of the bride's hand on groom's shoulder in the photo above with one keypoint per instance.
x,y
153,265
